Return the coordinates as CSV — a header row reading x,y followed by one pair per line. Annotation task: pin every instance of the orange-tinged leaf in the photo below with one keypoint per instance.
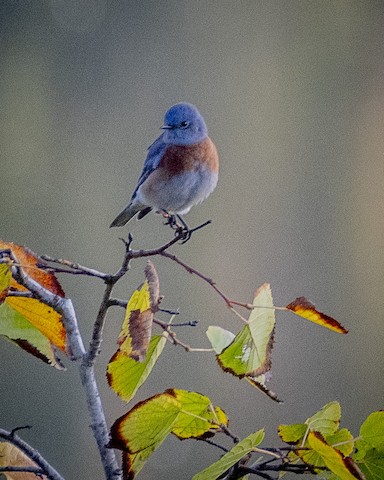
x,y
11,456
41,316
304,308
28,261
21,315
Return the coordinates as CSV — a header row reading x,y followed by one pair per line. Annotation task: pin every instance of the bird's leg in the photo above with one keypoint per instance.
x,y
170,219
177,224
183,230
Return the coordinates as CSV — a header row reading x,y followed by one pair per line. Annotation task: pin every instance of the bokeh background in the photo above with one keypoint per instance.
x,y
293,96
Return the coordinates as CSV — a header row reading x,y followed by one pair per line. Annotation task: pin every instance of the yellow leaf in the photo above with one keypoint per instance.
x,y
5,280
343,467
41,316
18,329
34,326
137,326
304,308
125,375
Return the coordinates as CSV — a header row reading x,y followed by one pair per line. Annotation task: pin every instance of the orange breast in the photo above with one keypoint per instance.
x,y
187,158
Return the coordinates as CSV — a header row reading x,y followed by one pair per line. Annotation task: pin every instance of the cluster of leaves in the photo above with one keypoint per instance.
x,y
317,446
34,326
328,451
323,445
185,414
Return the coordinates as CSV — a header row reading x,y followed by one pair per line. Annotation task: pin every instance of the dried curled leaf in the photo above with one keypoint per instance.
x,y
11,456
136,330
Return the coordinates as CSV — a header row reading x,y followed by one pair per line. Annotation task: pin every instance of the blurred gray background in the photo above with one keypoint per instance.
x,y
293,96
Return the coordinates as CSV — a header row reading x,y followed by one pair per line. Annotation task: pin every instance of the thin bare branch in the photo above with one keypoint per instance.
x,y
73,268
37,471
31,453
173,338
18,293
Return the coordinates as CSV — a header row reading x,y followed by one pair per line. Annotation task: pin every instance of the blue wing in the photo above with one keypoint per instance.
x,y
154,155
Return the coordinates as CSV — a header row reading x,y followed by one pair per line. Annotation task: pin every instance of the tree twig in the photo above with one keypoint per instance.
x,y
75,268
32,454
173,338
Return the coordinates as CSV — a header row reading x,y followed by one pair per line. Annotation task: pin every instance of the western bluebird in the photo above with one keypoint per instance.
x,y
180,171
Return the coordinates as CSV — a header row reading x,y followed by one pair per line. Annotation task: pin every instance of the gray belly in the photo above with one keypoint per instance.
x,y
180,193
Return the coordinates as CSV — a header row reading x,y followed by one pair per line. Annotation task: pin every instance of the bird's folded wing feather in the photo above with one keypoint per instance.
x,y
155,153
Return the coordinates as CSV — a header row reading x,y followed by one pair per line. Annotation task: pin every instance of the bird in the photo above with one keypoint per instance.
x,y
180,170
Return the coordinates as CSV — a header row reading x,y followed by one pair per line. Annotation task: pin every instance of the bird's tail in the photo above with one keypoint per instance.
x,y
126,215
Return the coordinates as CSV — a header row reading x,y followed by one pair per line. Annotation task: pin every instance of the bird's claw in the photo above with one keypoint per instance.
x,y
183,233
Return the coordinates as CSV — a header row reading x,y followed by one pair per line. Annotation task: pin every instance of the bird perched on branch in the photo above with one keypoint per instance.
x,y
180,171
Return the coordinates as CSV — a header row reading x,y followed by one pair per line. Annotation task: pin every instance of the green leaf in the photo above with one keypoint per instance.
x,y
143,429
372,430
219,338
373,464
292,433
249,353
197,415
126,375
342,440
326,420
239,451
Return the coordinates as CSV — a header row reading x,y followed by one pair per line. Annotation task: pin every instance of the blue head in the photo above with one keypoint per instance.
x,y
184,125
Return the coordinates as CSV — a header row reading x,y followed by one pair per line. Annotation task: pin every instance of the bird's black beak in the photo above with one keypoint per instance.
x,y
166,127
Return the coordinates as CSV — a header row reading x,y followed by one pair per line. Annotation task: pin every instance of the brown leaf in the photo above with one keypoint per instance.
x,y
154,286
11,456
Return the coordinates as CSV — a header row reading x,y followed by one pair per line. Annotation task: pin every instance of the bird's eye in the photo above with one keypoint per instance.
x,y
184,124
